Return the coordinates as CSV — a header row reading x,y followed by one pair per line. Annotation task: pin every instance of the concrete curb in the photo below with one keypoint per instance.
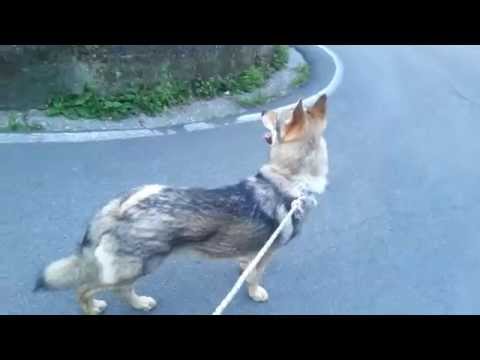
x,y
76,137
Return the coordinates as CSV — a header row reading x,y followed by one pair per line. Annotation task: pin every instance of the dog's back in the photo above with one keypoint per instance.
x,y
231,221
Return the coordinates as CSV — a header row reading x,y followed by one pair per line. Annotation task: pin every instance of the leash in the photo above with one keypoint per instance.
x,y
296,204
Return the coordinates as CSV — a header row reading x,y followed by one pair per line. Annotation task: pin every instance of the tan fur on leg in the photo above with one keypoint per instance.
x,y
89,305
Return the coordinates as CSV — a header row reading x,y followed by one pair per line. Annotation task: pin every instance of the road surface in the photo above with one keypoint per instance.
x,y
397,232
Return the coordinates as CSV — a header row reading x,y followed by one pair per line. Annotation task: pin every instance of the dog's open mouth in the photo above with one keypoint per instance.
x,y
268,138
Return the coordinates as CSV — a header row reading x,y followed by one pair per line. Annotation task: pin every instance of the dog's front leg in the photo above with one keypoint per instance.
x,y
255,290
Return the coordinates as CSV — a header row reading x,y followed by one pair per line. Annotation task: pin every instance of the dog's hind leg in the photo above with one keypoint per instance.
x,y
128,294
89,305
112,276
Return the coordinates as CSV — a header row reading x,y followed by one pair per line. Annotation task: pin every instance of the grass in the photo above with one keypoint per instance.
x,y
21,126
155,99
255,100
280,57
91,105
303,73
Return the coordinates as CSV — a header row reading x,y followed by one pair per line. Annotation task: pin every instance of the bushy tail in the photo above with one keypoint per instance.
x,y
61,274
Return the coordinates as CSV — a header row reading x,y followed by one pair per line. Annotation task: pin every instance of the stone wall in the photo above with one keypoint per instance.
x,y
31,74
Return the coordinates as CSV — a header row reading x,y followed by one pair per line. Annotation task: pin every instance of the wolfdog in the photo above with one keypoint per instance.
x,y
133,233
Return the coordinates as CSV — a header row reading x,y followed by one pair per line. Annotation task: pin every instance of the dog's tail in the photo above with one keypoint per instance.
x,y
62,274
65,273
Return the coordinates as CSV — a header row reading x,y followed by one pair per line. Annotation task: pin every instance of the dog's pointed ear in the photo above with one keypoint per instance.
x,y
319,109
269,119
296,126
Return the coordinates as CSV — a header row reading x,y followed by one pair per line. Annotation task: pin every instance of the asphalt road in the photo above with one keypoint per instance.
x,y
395,233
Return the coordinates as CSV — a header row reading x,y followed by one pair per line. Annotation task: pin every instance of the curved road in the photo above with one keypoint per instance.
x,y
396,233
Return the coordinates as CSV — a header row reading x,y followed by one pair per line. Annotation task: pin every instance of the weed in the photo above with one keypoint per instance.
x,y
255,100
280,57
303,73
16,125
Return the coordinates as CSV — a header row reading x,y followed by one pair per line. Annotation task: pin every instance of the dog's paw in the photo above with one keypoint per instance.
x,y
258,294
145,303
96,307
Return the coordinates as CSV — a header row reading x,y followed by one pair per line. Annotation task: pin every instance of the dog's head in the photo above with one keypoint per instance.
x,y
296,138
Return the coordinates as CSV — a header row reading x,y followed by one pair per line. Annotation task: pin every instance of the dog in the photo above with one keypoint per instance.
x,y
135,232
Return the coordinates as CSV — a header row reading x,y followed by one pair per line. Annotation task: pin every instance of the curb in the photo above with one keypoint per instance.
x,y
77,137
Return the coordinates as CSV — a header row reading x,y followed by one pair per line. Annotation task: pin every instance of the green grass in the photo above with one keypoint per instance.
x,y
16,125
255,100
303,73
155,99
148,100
280,57
251,79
